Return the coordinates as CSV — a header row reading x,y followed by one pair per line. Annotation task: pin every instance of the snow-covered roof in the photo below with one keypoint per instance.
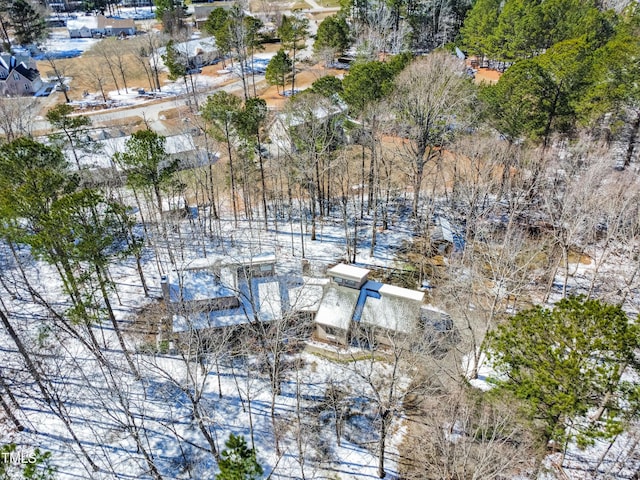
x,y
307,297
337,307
217,261
392,312
248,260
349,272
77,23
260,299
191,48
403,293
269,301
105,149
196,285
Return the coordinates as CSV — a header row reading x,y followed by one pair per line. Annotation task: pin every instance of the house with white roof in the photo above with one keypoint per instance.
x,y
182,147
346,309
100,26
214,293
357,311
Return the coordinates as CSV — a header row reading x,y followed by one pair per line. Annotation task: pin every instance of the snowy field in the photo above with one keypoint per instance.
x,y
59,45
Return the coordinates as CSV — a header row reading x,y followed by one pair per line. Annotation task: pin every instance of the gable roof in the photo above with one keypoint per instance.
x,y
30,74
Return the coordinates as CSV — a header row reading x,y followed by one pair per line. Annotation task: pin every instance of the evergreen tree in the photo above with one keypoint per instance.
x,y
369,82
333,33
171,13
537,97
221,111
478,27
614,92
147,163
278,69
328,86
238,461
73,129
28,24
567,361
218,25
517,106
174,61
293,33
249,123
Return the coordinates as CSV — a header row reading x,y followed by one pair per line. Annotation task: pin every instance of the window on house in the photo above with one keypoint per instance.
x,y
26,86
332,331
16,76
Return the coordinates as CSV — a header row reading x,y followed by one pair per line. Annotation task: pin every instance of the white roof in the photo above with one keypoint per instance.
x,y
391,313
400,292
270,304
261,301
193,285
82,21
307,297
343,270
258,259
337,306
174,144
202,263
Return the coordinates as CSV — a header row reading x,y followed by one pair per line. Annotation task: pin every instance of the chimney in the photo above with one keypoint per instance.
x,y
164,284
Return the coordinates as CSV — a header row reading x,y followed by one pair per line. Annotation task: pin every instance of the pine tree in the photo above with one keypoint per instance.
x,y
567,361
28,24
278,68
293,32
333,33
221,111
238,461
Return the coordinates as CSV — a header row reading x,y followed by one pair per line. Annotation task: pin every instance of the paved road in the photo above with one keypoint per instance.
x,y
149,111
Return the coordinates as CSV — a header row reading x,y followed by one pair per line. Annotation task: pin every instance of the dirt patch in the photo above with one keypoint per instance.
x,y
304,79
577,257
484,75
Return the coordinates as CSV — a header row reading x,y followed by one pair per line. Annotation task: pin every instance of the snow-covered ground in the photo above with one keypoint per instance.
x,y
59,45
160,410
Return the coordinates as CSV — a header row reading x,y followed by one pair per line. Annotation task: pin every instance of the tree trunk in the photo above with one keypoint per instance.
x,y
31,367
382,442
631,145
114,322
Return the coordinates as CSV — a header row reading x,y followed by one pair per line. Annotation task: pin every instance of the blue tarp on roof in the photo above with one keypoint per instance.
x,y
369,289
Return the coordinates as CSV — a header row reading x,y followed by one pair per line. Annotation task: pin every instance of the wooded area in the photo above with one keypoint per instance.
x,y
513,206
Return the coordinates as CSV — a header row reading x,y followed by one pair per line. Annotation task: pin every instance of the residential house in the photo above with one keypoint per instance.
x,y
203,9
101,26
210,294
183,147
286,124
361,312
18,75
195,53
116,27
